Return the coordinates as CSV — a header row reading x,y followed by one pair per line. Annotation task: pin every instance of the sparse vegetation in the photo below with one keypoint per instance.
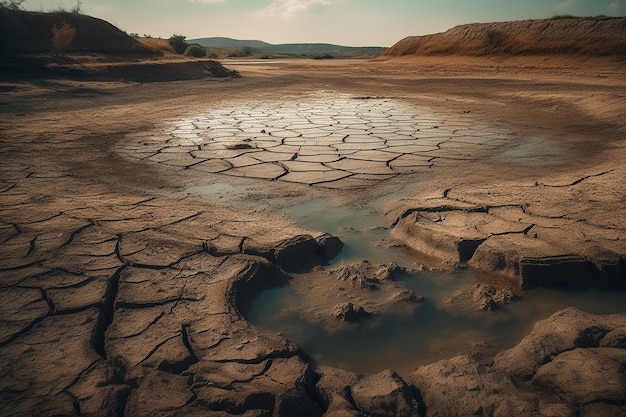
x,y
62,37
178,43
195,51
495,38
242,52
78,8
325,56
156,43
11,4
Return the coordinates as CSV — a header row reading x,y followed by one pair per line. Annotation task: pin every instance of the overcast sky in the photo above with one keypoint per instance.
x,y
344,22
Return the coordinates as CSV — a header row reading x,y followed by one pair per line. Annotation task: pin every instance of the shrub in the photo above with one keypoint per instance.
x,y
325,56
178,43
196,51
495,38
78,9
11,4
241,53
62,37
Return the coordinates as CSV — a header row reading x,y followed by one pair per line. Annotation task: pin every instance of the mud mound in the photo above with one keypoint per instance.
x,y
599,36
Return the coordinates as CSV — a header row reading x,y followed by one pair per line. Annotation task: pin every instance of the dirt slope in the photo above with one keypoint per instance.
x,y
24,32
99,51
582,36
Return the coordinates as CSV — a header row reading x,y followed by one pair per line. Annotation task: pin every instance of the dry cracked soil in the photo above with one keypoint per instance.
x,y
125,294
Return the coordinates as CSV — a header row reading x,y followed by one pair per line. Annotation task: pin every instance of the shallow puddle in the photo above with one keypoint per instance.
x,y
536,151
399,339
361,229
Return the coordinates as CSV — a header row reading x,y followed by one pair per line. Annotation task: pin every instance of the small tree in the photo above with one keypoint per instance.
x,y
62,37
178,43
195,50
78,8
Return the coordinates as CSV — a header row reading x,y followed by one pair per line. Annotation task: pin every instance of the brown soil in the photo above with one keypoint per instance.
x,y
156,277
98,51
585,36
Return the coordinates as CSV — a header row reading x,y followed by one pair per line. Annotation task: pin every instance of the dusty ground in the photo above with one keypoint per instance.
x,y
119,287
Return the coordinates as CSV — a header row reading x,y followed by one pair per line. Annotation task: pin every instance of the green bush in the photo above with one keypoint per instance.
x,y
196,51
178,43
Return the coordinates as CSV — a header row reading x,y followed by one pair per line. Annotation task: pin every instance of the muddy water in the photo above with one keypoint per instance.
x,y
340,142
397,340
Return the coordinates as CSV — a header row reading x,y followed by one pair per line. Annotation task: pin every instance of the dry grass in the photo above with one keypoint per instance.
x,y
62,37
157,43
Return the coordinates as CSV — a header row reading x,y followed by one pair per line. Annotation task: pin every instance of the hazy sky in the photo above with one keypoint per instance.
x,y
345,22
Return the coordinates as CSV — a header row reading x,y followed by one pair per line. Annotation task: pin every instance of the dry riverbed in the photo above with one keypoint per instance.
x,y
139,221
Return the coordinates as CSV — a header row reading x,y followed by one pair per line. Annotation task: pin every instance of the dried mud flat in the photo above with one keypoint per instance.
x,y
123,294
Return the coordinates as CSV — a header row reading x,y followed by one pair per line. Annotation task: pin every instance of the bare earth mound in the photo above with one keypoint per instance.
x,y
99,51
569,36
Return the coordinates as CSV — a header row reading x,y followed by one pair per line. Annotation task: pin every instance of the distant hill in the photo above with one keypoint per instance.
x,y
287,48
229,43
592,36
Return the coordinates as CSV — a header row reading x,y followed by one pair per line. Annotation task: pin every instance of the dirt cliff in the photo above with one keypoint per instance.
x,y
593,36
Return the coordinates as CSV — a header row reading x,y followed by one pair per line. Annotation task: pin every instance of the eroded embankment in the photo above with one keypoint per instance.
x,y
587,36
562,231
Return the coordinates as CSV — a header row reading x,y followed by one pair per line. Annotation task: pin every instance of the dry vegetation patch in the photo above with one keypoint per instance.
x,y
157,43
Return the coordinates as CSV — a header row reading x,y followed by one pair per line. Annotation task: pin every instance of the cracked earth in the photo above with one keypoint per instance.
x,y
327,140
123,294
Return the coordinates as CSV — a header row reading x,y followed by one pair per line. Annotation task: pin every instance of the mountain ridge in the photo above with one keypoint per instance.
x,y
285,48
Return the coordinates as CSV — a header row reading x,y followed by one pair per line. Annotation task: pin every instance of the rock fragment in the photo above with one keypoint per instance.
x,y
365,275
348,312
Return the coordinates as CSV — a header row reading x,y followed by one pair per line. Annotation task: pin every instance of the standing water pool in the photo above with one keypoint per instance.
x,y
399,339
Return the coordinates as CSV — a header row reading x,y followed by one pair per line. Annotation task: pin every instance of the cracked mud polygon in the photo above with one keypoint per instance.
x,y
328,140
